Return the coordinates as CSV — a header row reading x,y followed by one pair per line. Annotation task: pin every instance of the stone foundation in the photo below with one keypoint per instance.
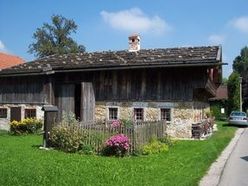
x,y
4,122
183,114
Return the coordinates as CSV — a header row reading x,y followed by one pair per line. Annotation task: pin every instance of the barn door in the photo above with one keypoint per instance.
x,y
65,99
15,113
87,102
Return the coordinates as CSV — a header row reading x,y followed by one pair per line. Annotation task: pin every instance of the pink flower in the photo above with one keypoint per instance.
x,y
115,123
118,141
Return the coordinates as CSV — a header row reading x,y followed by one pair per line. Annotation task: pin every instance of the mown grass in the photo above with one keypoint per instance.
x,y
22,163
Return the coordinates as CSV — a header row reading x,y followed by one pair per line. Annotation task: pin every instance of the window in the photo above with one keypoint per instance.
x,y
113,113
3,112
138,114
166,114
30,113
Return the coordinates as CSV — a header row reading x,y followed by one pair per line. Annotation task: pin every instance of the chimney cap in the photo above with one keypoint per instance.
x,y
135,35
134,42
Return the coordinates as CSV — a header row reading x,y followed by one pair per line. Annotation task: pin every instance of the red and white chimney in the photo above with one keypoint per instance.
x,y
134,43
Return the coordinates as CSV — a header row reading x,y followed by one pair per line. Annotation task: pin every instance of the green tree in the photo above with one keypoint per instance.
x,y
55,38
224,81
233,91
240,63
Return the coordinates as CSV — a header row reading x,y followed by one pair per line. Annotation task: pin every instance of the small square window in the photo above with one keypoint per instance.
x,y
113,113
30,113
3,112
138,114
166,114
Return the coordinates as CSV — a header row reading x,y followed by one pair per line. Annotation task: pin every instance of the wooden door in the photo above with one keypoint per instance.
x,y
65,99
87,102
15,113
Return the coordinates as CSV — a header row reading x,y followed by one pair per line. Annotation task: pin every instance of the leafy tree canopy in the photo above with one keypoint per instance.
x,y
224,81
240,63
233,91
55,38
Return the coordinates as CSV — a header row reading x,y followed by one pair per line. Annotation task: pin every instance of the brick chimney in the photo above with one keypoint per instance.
x,y
134,43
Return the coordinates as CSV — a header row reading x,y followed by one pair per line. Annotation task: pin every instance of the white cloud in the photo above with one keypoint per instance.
x,y
241,24
2,46
216,39
134,20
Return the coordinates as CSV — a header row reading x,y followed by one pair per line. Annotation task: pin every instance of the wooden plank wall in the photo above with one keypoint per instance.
x,y
142,84
22,90
153,84
168,84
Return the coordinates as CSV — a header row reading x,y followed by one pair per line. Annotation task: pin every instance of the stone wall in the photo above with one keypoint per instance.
x,y
183,114
4,122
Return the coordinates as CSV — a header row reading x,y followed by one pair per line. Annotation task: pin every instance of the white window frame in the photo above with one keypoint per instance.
x,y
118,112
160,113
144,115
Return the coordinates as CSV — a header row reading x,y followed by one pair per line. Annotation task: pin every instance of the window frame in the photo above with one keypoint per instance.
x,y
108,112
170,114
3,113
143,114
30,110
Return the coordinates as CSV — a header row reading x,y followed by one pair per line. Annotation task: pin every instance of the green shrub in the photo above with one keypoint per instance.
x,y
69,118
25,126
87,149
127,123
67,138
71,138
167,140
155,147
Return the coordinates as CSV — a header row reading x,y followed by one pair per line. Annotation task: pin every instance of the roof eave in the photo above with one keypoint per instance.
x,y
119,67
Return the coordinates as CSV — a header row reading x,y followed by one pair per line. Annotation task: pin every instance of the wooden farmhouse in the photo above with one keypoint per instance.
x,y
172,84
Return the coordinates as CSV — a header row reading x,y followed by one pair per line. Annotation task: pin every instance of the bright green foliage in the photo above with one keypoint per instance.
x,y
240,63
167,140
22,163
55,38
224,81
155,147
215,107
28,125
233,92
127,123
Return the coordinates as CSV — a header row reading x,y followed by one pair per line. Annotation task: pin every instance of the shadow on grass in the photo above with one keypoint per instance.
x,y
237,126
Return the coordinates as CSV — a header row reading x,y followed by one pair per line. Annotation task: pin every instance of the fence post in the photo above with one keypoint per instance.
x,y
50,118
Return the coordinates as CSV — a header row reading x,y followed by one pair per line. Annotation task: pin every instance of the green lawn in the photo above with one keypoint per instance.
x,y
22,163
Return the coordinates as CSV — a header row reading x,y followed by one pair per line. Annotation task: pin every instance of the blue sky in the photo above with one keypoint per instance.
x,y
105,25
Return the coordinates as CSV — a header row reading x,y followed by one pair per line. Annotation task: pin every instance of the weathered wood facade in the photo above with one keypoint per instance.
x,y
78,91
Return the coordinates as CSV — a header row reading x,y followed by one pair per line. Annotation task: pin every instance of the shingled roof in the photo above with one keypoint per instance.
x,y
146,58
